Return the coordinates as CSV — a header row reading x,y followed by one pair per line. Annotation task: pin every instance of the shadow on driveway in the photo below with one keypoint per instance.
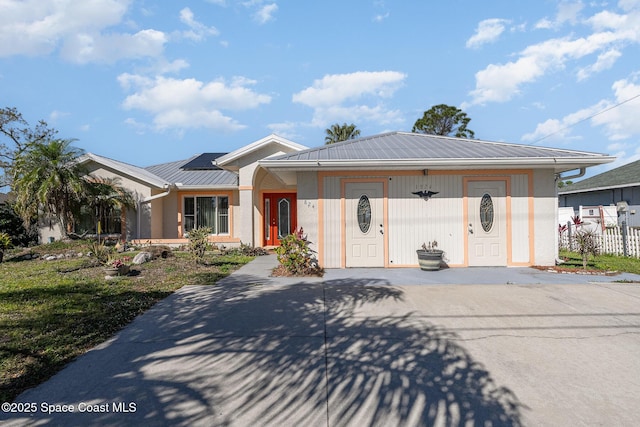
x,y
242,353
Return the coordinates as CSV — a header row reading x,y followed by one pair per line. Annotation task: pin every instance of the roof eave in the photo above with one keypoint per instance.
x,y
603,188
205,187
113,164
224,161
558,164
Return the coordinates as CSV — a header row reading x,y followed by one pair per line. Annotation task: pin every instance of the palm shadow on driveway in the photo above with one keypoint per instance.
x,y
249,352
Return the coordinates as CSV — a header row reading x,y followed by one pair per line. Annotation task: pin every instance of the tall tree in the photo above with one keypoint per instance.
x,y
337,133
48,180
105,196
444,120
18,136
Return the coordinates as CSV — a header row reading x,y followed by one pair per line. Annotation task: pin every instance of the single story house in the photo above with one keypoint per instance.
x,y
619,187
368,202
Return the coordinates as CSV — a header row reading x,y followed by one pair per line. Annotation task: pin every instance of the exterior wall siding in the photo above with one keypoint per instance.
x,y
520,219
413,221
332,235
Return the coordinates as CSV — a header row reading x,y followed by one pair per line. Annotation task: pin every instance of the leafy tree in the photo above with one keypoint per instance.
x,y
444,120
48,180
562,184
105,195
337,133
12,224
19,136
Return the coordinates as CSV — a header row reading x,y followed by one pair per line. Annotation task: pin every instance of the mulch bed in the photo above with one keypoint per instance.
x,y
575,270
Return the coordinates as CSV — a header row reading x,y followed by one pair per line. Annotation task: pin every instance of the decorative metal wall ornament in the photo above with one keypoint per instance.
x,y
486,212
364,214
425,195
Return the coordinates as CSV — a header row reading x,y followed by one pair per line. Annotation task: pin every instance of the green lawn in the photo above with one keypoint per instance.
x,y
602,262
53,311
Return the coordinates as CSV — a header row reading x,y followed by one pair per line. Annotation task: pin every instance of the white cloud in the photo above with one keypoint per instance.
x,y
605,61
55,115
197,30
501,82
82,29
381,17
488,31
189,103
343,97
617,117
567,12
265,13
622,121
84,48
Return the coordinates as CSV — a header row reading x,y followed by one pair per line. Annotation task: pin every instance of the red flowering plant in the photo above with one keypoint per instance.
x,y
120,262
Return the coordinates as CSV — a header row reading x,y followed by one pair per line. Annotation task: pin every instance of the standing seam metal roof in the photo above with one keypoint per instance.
x,y
174,173
408,146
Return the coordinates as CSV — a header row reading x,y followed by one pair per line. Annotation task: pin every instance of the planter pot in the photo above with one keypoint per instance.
x,y
430,260
123,270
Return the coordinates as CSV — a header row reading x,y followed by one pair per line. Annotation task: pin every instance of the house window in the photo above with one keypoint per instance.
x,y
364,214
486,212
209,211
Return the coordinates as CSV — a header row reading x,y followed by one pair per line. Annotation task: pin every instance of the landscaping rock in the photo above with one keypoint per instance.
x,y
142,257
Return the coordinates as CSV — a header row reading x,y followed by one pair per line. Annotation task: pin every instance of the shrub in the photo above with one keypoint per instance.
x,y
246,250
295,255
5,243
199,242
588,244
101,252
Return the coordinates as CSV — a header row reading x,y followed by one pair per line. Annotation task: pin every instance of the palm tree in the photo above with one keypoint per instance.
x,y
337,133
106,195
48,180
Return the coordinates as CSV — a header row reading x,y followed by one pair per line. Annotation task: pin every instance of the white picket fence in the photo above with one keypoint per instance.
x,y
611,241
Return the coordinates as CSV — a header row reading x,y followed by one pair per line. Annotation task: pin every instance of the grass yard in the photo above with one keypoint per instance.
x,y
54,311
620,264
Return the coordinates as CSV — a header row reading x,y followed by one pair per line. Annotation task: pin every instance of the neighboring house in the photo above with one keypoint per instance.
x,y
621,184
369,202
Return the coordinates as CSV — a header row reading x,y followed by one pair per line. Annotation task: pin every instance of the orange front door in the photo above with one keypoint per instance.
x,y
279,217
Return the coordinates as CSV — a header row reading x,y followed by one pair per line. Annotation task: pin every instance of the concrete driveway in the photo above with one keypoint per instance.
x,y
358,349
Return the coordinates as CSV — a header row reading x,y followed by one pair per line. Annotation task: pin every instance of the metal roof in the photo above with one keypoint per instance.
x,y
624,176
125,168
176,173
409,150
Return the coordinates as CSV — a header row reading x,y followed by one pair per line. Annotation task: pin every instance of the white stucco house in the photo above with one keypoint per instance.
x,y
369,202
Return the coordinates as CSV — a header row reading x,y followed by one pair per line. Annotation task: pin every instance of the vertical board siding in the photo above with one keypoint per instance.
x,y
520,218
414,221
332,228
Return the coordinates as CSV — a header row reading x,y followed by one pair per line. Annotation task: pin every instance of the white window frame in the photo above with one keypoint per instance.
x,y
217,213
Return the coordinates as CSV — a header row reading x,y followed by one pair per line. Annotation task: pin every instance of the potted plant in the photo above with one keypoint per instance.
x,y
117,267
429,257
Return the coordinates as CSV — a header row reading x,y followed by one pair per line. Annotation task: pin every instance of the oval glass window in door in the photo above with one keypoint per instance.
x,y
364,213
486,212
284,213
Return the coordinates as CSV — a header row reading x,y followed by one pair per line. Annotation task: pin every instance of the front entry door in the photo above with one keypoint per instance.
x,y
487,227
279,217
364,224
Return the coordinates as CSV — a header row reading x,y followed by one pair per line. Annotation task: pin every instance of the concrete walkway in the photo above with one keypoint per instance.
x,y
364,347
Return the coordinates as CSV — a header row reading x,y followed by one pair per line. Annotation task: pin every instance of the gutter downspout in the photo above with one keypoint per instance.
x,y
148,200
580,174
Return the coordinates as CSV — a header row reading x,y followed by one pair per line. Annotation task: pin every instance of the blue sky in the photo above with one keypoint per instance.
x,y
148,82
